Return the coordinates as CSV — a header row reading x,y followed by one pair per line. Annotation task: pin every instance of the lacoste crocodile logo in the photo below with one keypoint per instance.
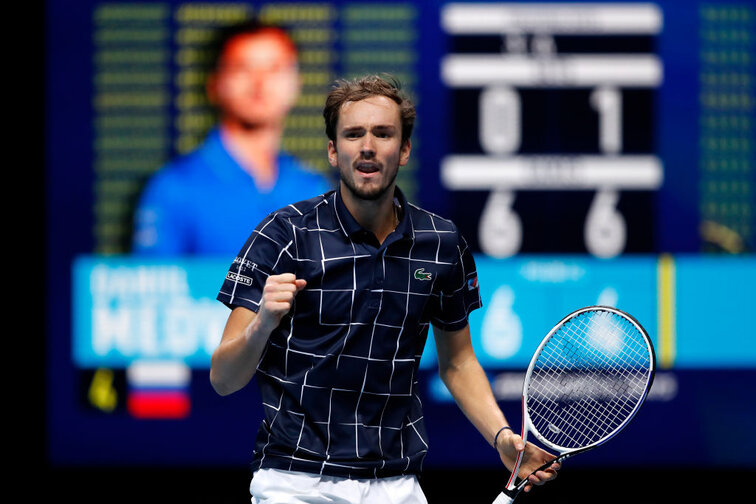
x,y
420,274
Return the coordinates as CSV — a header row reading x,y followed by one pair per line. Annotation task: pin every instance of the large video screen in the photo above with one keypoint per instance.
x,y
589,152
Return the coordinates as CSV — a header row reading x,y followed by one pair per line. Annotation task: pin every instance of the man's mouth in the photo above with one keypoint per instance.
x,y
364,167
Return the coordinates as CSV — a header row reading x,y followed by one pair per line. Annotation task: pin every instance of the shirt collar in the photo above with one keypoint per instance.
x,y
350,226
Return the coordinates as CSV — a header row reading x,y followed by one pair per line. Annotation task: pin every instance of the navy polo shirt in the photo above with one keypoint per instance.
x,y
338,377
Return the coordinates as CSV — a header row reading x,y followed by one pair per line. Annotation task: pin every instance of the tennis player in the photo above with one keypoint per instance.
x,y
332,299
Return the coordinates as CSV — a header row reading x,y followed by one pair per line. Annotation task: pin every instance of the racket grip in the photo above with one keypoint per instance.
x,y
503,499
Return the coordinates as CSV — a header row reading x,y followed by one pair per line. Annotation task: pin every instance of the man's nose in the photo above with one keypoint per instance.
x,y
367,149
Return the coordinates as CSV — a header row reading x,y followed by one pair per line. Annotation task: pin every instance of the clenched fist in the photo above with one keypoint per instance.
x,y
278,296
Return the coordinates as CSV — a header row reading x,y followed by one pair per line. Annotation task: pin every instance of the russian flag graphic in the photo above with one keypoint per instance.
x,y
472,283
158,390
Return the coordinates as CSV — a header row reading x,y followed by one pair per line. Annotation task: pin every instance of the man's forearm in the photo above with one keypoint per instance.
x,y
234,362
464,377
468,384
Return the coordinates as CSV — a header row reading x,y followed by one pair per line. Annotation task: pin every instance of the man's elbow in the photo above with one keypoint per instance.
x,y
449,369
221,387
444,372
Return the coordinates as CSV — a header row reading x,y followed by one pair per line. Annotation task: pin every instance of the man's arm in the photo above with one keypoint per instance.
x,y
464,377
235,360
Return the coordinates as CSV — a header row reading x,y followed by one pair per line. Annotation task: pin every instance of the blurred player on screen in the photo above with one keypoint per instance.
x,y
205,202
332,299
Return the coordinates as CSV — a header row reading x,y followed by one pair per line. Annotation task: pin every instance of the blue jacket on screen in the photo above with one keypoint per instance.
x,y
205,203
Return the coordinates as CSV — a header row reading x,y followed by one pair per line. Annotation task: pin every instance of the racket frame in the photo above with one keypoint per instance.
x,y
512,489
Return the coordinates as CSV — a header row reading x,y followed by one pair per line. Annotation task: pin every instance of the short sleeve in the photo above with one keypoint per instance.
x,y
459,294
266,252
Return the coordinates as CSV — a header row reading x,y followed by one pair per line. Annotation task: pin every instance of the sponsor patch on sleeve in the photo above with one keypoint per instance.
x,y
235,277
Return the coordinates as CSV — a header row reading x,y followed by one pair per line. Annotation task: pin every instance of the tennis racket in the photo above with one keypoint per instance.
x,y
585,382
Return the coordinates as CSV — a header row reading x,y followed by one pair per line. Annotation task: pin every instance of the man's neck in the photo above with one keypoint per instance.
x,y
379,216
256,149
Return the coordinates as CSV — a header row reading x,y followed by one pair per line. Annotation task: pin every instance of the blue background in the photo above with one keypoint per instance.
x,y
702,418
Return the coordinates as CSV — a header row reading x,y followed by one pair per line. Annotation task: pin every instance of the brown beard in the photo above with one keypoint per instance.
x,y
363,195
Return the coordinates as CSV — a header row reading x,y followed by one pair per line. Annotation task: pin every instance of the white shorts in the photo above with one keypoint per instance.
x,y
275,486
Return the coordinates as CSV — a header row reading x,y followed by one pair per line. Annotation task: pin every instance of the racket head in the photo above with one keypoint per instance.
x,y
587,379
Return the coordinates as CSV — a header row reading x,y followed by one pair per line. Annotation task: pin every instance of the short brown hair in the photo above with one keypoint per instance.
x,y
223,37
363,87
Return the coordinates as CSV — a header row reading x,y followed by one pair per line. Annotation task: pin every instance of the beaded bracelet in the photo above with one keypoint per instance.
x,y
496,438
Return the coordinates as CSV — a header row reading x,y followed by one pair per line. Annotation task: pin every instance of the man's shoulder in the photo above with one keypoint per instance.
x,y
192,162
423,219
195,162
185,170
294,163
436,235
303,209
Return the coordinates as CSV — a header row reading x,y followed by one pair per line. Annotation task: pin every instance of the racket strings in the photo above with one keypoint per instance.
x,y
583,419
579,423
589,387
588,379
583,428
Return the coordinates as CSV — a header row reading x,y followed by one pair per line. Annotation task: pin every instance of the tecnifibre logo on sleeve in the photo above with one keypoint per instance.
x,y
235,277
245,263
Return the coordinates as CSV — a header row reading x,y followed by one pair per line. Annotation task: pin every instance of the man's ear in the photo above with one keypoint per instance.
x,y
404,154
333,154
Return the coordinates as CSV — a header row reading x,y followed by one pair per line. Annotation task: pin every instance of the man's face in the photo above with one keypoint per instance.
x,y
257,81
368,149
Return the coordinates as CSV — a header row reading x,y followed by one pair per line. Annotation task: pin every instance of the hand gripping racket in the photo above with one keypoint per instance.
x,y
585,382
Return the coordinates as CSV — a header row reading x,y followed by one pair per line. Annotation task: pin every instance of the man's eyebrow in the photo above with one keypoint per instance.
x,y
346,130
376,126
358,129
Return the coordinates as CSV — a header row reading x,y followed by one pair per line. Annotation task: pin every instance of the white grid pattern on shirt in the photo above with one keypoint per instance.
x,y
301,231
